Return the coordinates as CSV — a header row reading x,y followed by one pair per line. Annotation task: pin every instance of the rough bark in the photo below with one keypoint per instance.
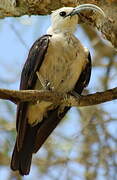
x,y
43,7
58,98
107,26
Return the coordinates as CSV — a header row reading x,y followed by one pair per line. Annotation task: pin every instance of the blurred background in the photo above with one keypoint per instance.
x,y
84,145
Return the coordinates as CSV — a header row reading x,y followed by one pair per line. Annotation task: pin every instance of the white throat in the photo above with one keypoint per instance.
x,y
52,30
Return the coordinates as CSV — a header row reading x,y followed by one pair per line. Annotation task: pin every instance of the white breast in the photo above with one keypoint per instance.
x,y
64,61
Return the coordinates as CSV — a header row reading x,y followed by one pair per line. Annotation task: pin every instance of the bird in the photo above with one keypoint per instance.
x,y
56,61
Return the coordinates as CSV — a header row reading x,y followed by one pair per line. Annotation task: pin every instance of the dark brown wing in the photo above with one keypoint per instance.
x,y
84,78
22,154
28,81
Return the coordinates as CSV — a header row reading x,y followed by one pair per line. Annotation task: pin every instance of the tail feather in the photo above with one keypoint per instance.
x,y
33,140
48,125
21,159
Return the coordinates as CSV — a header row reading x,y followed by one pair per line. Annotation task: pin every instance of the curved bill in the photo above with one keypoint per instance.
x,y
82,7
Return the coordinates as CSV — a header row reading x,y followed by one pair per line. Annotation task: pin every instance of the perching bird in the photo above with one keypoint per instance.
x,y
57,61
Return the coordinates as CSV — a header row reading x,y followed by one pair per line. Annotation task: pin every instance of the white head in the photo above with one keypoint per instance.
x,y
61,23
66,19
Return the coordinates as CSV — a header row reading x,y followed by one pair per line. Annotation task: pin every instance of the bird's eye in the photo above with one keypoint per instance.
x,y
63,13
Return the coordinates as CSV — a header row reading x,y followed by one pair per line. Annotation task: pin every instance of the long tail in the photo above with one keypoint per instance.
x,y
33,140
21,159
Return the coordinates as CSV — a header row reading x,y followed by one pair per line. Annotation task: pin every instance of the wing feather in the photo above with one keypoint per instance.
x,y
28,81
84,78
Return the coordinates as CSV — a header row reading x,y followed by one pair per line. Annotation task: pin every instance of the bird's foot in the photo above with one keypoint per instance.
x,y
48,86
74,93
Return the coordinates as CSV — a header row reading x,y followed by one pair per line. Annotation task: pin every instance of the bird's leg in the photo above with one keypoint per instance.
x,y
66,97
46,85
74,93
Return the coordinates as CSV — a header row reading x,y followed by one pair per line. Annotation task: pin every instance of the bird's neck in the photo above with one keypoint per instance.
x,y
53,31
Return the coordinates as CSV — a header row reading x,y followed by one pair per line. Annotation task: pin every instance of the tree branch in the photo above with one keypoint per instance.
x,y
58,98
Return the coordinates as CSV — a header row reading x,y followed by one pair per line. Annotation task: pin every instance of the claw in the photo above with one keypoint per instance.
x,y
74,93
46,85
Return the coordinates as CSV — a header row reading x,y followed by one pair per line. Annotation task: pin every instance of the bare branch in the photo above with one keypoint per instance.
x,y
57,97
